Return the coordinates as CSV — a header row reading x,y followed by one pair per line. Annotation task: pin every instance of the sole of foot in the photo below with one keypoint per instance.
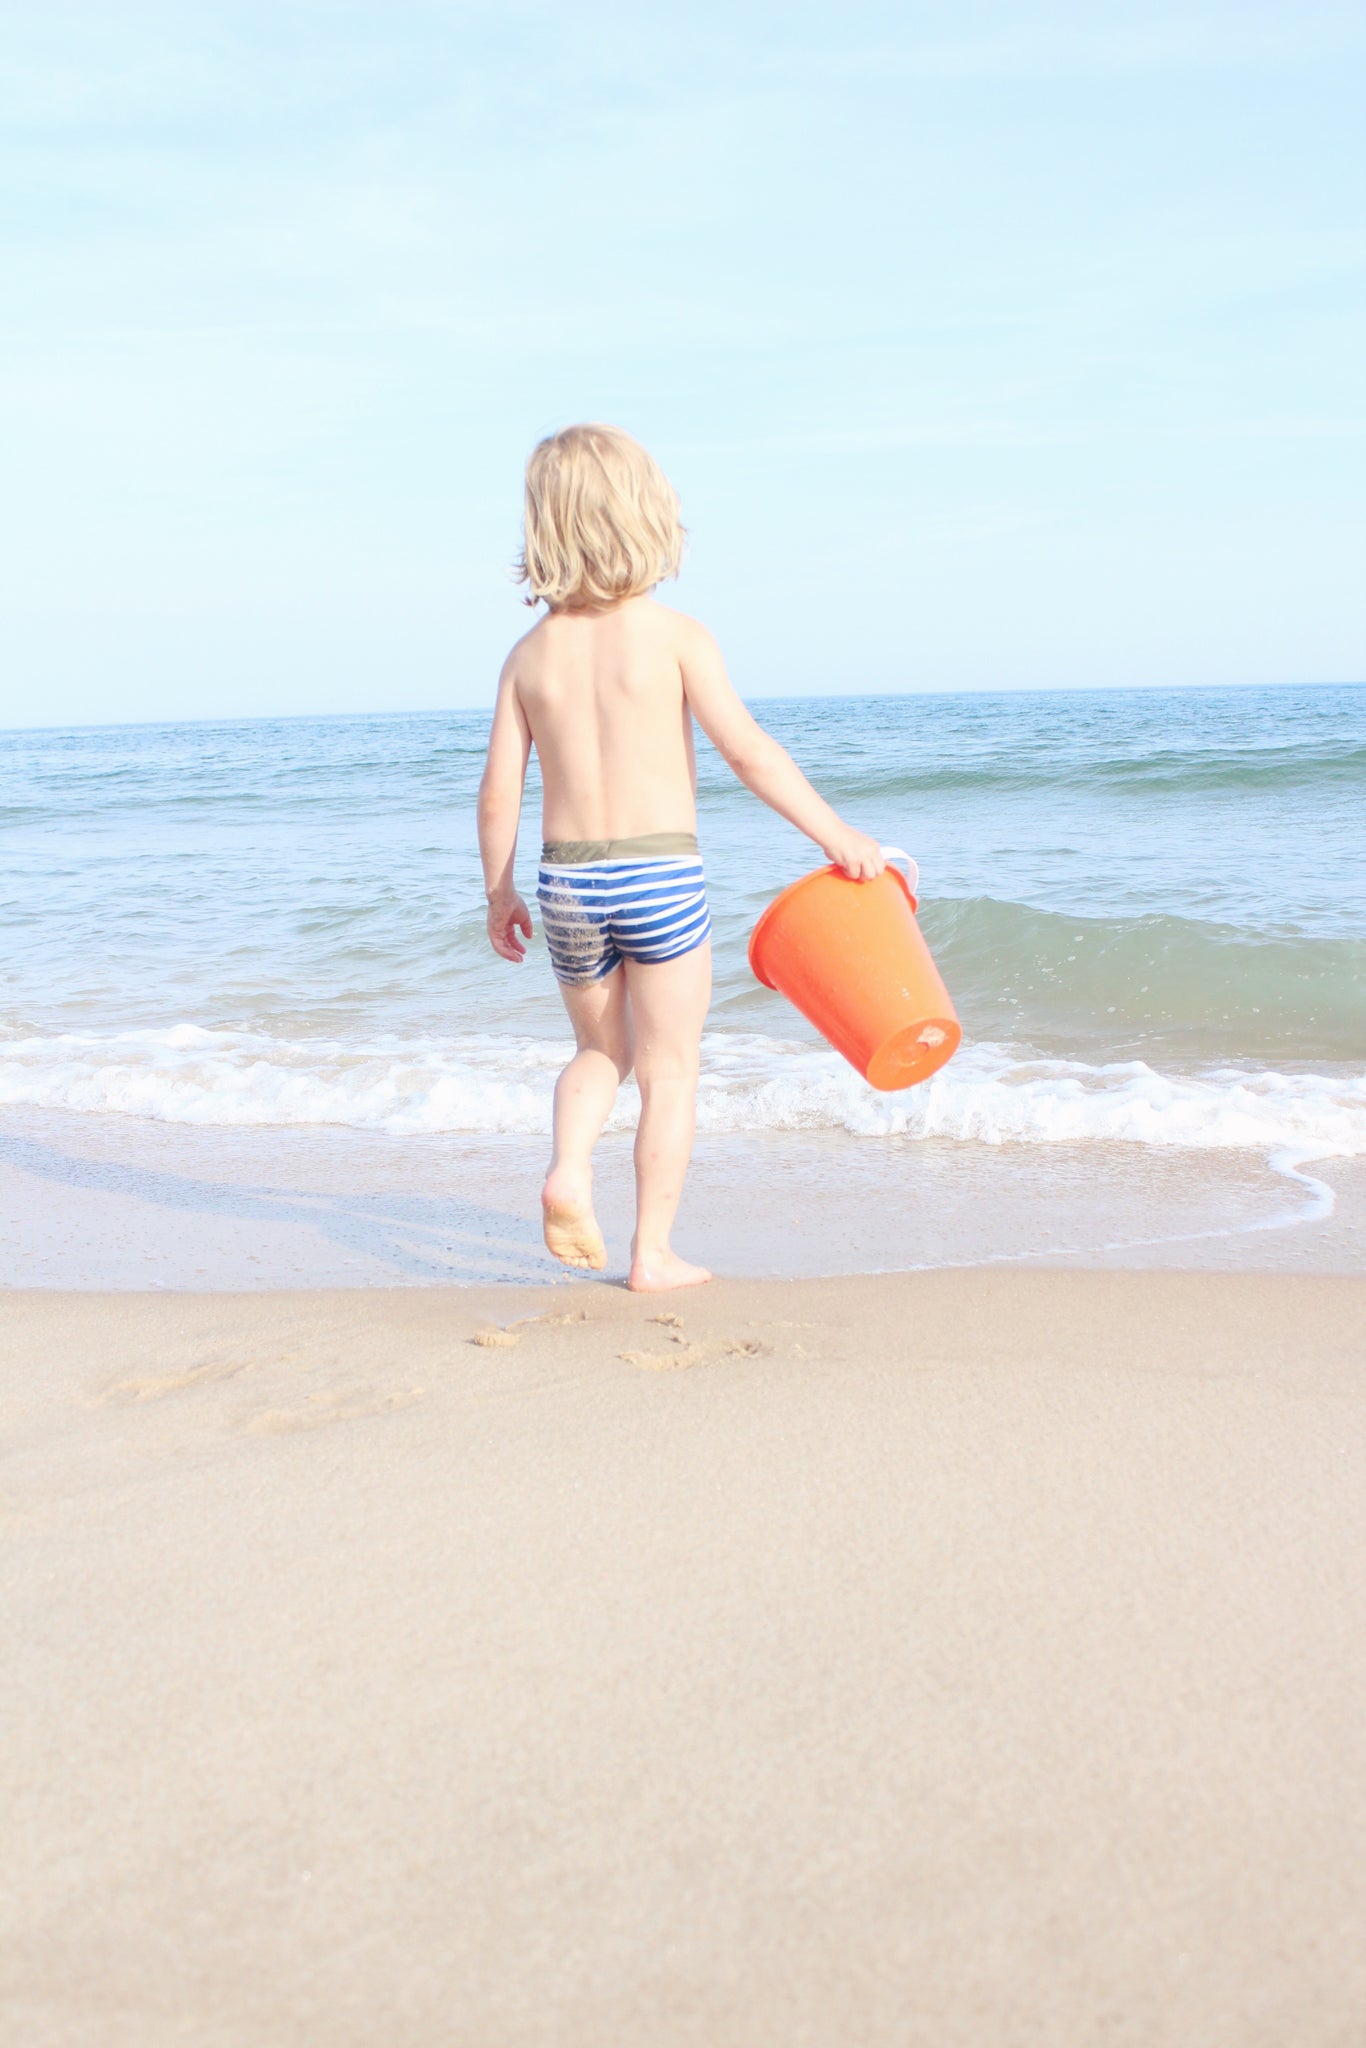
x,y
572,1235
660,1276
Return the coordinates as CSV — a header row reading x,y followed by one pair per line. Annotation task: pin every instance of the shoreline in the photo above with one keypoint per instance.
x,y
91,1202
945,1656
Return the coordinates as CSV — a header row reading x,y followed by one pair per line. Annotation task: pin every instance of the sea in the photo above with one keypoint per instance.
x,y
252,1032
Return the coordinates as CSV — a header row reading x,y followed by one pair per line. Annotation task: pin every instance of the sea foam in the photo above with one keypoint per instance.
x,y
991,1094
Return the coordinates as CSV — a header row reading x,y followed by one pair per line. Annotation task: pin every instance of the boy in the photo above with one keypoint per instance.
x,y
606,688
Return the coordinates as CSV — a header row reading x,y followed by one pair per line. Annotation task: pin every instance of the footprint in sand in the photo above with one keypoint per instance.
x,y
346,1404
156,1388
502,1336
695,1354
668,1361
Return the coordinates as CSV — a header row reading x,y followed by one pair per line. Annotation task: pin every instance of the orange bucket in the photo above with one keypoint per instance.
x,y
852,958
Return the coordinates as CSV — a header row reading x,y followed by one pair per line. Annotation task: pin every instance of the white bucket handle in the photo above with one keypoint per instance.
x,y
912,870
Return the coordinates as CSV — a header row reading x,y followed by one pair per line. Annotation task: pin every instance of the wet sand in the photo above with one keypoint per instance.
x,y
121,1202
961,1657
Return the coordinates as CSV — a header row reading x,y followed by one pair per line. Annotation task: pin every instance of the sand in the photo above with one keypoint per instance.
x,y
961,1657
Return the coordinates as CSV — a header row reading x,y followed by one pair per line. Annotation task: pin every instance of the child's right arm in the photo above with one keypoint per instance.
x,y
762,765
500,808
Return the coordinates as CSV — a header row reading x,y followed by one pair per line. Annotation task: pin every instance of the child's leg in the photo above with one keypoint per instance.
x,y
669,1007
584,1095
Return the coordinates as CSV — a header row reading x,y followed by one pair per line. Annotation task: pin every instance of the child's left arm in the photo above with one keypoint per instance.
x,y
500,808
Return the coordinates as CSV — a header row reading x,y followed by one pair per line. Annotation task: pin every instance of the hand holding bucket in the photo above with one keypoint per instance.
x,y
852,958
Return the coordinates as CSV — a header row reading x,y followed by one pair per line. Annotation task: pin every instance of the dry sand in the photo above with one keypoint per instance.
x,y
965,1657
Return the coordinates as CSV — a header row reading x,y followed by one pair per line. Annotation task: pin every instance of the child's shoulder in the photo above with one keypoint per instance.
x,y
640,615
523,652
688,634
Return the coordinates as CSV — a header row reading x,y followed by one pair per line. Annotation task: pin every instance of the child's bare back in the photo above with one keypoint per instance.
x,y
606,688
604,699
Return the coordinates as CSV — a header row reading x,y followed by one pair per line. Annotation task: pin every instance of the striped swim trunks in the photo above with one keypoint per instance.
x,y
612,900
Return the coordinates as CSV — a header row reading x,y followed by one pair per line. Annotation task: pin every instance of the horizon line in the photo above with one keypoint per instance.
x,y
755,697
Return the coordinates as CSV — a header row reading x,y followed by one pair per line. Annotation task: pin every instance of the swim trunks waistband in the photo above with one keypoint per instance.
x,y
574,853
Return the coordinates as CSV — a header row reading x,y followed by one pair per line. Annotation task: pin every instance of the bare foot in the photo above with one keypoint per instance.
x,y
656,1275
571,1229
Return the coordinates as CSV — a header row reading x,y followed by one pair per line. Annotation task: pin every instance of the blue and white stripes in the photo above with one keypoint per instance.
x,y
603,912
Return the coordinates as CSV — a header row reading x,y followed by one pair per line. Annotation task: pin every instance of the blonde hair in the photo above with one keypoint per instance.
x,y
601,520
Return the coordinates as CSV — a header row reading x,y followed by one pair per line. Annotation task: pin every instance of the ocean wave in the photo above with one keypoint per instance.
x,y
991,1094
1181,984
1199,771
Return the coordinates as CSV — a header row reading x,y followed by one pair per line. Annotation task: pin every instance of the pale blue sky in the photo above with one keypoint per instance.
x,y
988,346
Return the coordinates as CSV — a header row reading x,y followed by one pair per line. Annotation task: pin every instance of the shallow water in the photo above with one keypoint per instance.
x,y
1150,907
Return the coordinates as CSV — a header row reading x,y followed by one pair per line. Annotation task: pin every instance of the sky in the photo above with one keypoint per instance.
x,y
988,346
